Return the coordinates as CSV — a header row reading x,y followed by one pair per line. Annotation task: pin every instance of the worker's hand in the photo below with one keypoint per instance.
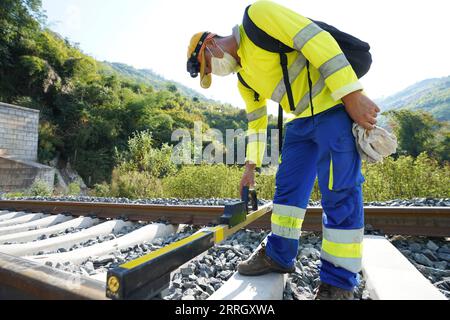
x,y
248,179
361,109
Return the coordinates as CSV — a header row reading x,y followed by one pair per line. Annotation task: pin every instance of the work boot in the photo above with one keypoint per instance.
x,y
260,264
329,292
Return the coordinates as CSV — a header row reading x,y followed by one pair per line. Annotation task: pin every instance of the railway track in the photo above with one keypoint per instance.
x,y
418,221
36,237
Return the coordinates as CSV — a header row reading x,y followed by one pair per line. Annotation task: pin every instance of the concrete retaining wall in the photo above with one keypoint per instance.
x,y
19,175
18,132
18,149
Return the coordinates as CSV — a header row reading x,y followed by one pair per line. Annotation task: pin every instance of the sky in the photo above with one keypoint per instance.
x,y
409,38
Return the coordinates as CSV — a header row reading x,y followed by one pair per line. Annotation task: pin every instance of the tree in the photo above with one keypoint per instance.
x,y
443,148
416,131
17,23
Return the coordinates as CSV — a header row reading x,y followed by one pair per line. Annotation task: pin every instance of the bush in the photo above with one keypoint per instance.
x,y
101,190
40,188
135,185
406,178
74,189
142,157
204,181
13,195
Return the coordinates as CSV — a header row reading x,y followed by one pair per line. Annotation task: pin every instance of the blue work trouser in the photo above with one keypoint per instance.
x,y
323,147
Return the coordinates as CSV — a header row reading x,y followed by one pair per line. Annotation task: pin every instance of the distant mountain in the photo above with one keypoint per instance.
x,y
432,95
149,77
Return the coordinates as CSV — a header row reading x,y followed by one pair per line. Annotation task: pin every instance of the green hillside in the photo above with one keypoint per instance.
x,y
149,77
432,95
90,109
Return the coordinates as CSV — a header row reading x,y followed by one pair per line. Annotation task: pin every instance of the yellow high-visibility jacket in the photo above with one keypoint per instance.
x,y
331,73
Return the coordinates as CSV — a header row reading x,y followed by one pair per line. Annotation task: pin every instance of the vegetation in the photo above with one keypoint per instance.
x,y
88,109
418,132
74,189
39,188
401,177
406,177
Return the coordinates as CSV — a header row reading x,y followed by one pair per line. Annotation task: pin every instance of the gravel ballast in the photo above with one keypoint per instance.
x,y
431,256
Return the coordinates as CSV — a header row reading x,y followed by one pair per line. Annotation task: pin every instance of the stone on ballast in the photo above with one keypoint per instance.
x,y
89,266
177,276
228,266
231,255
203,274
225,274
213,281
187,271
406,252
422,259
192,277
189,285
202,282
415,247
430,255
209,289
444,256
442,265
432,246
203,296
177,295
189,292
306,252
104,260
444,249
177,283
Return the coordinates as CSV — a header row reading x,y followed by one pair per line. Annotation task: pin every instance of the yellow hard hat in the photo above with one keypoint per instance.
x,y
196,58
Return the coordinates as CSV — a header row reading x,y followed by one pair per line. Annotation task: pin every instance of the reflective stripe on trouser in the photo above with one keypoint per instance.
x,y
287,221
343,248
308,149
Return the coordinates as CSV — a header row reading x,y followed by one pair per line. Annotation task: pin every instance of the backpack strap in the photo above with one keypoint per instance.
x,y
310,89
280,128
245,84
261,38
266,42
280,112
287,83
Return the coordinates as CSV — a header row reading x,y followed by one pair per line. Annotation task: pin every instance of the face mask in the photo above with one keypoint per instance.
x,y
223,66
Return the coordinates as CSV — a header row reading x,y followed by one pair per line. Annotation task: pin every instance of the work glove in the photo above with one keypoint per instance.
x,y
374,145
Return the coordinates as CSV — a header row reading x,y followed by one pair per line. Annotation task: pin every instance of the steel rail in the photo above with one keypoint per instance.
x,y
417,221
179,214
413,221
25,280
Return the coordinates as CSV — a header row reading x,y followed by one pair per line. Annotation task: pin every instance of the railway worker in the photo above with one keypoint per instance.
x,y
317,142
